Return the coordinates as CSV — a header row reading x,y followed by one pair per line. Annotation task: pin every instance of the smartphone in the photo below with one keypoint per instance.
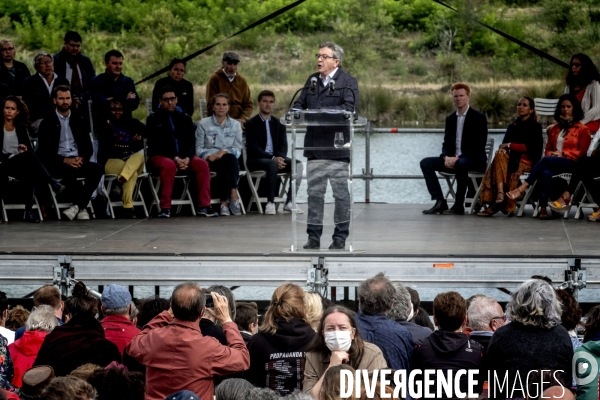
x,y
209,301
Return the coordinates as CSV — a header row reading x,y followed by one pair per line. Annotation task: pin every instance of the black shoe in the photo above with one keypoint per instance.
x,y
337,244
129,213
31,216
165,213
455,210
439,207
58,188
312,244
206,212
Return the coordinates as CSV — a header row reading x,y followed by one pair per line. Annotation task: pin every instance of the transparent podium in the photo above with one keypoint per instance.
x,y
322,140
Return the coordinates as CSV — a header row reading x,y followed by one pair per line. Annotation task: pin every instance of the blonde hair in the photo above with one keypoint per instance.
x,y
461,85
330,389
287,302
314,309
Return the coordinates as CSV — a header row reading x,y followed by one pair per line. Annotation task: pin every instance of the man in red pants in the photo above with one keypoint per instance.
x,y
171,150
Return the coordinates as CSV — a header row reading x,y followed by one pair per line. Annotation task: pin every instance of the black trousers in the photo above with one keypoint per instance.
x,y
431,165
228,174
90,171
272,169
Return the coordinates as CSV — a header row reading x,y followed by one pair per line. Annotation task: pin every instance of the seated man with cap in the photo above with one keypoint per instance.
x,y
117,306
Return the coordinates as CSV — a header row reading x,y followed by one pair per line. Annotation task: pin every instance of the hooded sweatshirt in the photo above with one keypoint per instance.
x,y
448,351
277,361
23,353
583,368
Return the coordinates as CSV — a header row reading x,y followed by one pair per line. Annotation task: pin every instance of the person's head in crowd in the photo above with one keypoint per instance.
x,y
568,108
314,309
167,99
72,43
376,295
115,108
225,291
449,311
4,307
329,57
15,109
422,318
116,300
220,104
592,325
266,102
330,388
42,318
113,60
534,303
49,295
183,395
69,387
582,71
461,94
542,277
44,64
230,63
246,317
35,380
187,302
470,299
262,394
415,300
232,389
150,308
571,311
177,69
82,301
134,313
117,384
287,302
402,309
7,51
547,384
485,314
85,371
61,97
526,109
298,395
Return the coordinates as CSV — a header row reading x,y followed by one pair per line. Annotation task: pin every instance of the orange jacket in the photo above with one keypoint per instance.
x,y
576,142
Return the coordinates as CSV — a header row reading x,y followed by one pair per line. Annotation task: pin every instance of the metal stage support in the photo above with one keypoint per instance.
x,y
320,273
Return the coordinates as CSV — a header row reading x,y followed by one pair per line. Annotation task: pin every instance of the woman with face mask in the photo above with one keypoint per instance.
x,y
338,342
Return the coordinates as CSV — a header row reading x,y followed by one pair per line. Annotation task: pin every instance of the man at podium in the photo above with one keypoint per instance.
x,y
330,88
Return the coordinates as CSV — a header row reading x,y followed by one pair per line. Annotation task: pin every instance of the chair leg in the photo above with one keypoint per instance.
x,y
53,195
450,191
241,202
528,194
476,198
154,189
110,207
4,214
39,209
254,198
138,194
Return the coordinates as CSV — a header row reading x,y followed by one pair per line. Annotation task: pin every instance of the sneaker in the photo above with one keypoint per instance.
x,y
165,213
288,208
71,212
207,212
270,209
129,213
83,215
235,207
224,210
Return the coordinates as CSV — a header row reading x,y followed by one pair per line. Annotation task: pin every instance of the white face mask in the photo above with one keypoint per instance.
x,y
338,340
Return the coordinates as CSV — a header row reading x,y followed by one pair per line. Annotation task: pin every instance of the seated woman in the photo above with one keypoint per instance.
x,y
520,149
18,160
582,82
120,141
568,140
338,341
219,142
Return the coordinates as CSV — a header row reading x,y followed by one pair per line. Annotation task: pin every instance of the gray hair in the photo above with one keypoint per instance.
x,y
42,318
261,394
117,311
338,52
535,303
39,56
481,311
233,389
298,395
376,295
402,304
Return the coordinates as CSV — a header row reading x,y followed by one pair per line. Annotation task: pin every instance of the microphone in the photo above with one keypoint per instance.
x,y
313,84
331,86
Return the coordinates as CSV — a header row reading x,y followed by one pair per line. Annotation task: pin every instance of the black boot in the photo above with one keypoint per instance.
x,y
439,207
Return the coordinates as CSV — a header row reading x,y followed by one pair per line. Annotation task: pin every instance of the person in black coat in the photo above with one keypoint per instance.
x,y
12,72
65,148
267,148
183,88
18,160
328,165
76,67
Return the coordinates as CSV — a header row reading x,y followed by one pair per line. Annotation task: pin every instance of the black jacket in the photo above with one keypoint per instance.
x,y
529,133
38,98
108,141
209,328
49,139
15,87
446,351
417,332
85,66
170,134
340,99
474,136
184,90
23,138
277,361
256,138
103,86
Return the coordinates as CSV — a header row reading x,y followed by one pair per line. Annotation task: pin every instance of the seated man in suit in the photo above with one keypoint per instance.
x,y
463,151
65,148
266,141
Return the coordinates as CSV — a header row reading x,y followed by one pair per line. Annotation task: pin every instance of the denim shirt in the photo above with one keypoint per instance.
x,y
211,137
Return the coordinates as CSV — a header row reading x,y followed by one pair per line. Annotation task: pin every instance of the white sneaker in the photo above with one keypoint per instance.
x,y
83,214
71,212
288,208
235,207
270,209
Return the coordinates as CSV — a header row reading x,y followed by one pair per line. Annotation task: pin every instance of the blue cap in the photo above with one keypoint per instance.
x,y
183,395
115,296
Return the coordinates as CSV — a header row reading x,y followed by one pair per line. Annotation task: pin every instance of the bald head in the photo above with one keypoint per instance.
x,y
557,392
187,302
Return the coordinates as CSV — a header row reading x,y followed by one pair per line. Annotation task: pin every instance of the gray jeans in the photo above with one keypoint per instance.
x,y
318,173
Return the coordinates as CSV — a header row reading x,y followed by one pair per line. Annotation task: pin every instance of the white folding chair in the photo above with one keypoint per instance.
x,y
138,198
586,201
58,206
203,108
16,206
545,107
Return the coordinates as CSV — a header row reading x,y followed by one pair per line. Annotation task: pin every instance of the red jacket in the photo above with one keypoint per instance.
x,y
23,353
177,356
119,330
576,142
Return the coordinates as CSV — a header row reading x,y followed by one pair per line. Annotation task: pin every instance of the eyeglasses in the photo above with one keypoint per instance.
x,y
8,49
230,62
323,56
169,99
